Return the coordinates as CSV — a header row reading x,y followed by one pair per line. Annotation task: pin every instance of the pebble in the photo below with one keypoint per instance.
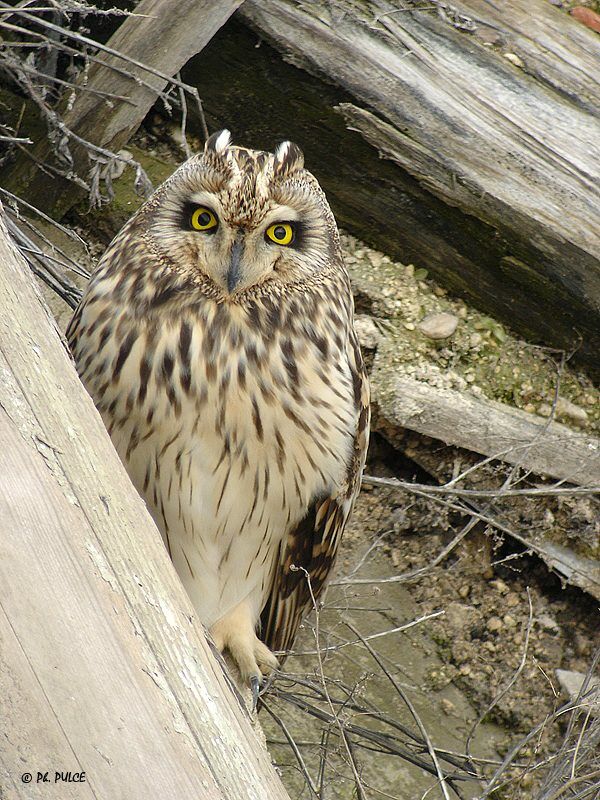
x,y
547,623
500,586
494,624
512,600
571,682
438,326
457,615
565,408
509,621
544,410
514,59
447,706
464,591
368,333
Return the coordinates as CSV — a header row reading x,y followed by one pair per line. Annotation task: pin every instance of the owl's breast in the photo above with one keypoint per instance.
x,y
228,433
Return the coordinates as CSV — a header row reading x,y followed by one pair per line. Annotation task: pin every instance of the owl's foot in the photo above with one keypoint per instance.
x,y
235,633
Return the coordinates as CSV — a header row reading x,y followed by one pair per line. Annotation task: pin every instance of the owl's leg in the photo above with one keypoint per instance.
x,y
235,632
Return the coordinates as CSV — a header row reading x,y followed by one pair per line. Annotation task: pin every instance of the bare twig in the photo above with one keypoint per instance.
x,y
511,682
410,706
479,494
335,716
292,743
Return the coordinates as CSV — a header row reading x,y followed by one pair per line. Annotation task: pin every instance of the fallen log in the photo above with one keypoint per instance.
x,y
484,426
104,669
472,153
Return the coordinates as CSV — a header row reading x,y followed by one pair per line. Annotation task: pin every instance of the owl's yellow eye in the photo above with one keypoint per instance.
x,y
203,219
281,233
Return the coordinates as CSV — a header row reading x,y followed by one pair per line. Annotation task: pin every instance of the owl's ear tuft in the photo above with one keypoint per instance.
x,y
288,159
218,142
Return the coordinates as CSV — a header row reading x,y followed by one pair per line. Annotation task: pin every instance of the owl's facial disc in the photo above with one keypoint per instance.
x,y
239,253
244,219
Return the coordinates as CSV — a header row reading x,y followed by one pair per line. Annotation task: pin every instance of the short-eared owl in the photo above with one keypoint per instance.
x,y
216,339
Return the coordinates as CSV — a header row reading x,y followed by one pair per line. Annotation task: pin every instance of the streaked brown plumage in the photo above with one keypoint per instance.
x,y
224,362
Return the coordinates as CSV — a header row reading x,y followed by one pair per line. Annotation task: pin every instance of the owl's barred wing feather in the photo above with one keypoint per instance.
x,y
308,557
302,571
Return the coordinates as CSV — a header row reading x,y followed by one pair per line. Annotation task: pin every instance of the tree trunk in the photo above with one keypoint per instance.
x,y
103,667
162,37
472,154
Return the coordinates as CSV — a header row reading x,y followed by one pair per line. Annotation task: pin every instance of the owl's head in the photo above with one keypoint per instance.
x,y
243,219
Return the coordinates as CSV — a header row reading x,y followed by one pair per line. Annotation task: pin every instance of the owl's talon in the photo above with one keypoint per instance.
x,y
255,688
266,682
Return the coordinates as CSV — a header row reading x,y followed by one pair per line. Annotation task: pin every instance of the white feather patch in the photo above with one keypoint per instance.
x,y
223,141
282,151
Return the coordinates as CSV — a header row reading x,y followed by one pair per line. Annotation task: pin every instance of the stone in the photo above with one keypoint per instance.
x,y
457,615
375,258
565,408
544,410
571,683
438,326
368,333
514,59
494,624
547,623
447,706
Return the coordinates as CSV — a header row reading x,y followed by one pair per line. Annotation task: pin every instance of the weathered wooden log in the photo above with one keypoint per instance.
x,y
158,38
492,429
104,668
434,146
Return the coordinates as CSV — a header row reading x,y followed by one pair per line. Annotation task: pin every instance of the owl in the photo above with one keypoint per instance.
x,y
216,339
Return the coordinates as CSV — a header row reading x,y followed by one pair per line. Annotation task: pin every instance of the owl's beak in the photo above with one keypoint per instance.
x,y
234,271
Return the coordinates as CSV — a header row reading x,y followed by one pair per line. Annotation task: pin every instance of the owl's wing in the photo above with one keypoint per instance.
x,y
308,555
307,558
